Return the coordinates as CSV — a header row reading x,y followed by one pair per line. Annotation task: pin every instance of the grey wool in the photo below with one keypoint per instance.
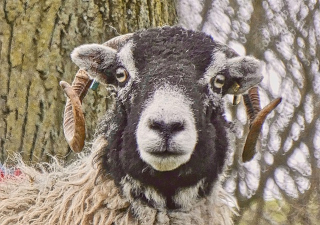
x,y
77,195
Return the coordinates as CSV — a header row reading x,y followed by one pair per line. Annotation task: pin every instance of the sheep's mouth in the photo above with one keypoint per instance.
x,y
165,150
166,160
166,154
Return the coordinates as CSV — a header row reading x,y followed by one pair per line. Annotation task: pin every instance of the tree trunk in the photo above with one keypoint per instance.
x,y
36,39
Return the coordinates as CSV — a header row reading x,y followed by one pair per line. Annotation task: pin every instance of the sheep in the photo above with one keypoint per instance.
x,y
159,154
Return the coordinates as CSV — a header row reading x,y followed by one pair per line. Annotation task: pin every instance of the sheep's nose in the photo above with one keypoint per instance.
x,y
167,129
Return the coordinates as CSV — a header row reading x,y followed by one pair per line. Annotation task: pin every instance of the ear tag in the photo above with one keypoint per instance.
x,y
235,87
236,99
94,85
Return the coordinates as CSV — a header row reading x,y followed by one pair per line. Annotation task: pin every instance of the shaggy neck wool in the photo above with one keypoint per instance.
x,y
216,209
77,195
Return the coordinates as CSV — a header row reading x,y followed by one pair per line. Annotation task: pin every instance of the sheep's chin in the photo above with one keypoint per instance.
x,y
164,163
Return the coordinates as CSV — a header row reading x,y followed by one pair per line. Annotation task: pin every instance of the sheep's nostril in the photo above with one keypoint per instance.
x,y
176,127
157,126
167,129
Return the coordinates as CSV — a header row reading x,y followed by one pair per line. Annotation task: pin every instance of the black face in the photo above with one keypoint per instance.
x,y
180,65
167,131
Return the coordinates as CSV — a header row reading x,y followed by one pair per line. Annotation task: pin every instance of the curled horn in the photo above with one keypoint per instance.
x,y
74,122
257,118
252,103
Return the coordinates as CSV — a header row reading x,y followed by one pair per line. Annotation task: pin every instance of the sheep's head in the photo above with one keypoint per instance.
x,y
167,130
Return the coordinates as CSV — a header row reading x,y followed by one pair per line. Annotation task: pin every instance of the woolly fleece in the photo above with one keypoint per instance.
x,y
77,195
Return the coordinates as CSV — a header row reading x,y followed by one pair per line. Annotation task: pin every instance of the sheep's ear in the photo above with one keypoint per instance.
x,y
245,72
95,59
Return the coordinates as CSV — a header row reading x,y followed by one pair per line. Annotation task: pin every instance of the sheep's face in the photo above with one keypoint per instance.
x,y
168,129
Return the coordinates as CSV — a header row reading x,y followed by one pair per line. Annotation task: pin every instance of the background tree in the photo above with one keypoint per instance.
x,y
36,39
281,184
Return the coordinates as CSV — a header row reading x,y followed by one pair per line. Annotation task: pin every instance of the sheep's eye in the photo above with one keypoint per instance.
x,y
121,75
218,81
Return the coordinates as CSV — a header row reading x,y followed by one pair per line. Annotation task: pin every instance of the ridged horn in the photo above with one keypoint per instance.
x,y
74,122
252,103
257,118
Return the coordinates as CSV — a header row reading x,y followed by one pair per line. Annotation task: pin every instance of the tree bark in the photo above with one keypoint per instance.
x,y
36,39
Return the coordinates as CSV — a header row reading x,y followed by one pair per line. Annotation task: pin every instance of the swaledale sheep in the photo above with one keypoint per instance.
x,y
159,154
